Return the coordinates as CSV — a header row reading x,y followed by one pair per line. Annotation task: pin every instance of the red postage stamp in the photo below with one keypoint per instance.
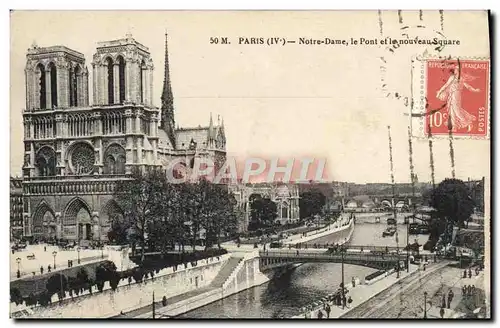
x,y
457,93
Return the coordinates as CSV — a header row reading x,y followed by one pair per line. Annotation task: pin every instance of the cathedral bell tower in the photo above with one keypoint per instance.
x,y
123,73
56,77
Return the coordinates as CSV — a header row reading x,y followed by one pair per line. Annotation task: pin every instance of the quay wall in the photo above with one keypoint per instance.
x,y
128,297
246,275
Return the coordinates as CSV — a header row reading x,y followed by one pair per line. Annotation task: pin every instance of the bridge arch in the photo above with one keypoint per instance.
x,y
386,203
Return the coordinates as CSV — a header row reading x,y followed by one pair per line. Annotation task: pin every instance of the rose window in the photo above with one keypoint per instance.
x,y
82,159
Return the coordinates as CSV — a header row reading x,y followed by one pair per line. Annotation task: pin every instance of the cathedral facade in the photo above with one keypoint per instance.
x,y
76,150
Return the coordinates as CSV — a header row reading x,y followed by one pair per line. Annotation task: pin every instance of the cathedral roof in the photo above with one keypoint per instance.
x,y
184,137
164,140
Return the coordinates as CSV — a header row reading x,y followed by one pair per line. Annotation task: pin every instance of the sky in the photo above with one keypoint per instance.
x,y
290,101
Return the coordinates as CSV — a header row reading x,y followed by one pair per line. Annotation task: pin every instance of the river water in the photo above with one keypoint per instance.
x,y
284,297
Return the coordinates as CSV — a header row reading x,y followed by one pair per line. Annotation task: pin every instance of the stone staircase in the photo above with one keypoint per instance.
x,y
225,272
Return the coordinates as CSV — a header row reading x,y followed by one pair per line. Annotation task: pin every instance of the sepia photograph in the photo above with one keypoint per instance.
x,y
300,165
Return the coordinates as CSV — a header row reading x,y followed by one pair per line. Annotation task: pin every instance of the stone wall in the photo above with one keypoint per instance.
x,y
128,297
246,275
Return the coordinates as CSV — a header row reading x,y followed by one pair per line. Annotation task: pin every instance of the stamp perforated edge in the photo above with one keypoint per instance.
x,y
419,82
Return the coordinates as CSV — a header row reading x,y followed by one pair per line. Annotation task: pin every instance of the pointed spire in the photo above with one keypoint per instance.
x,y
211,128
167,100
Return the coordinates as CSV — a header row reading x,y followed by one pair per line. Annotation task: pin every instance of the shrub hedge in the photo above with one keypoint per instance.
x,y
374,275
40,291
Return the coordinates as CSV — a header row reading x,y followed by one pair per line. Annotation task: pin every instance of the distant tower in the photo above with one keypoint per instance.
x,y
167,101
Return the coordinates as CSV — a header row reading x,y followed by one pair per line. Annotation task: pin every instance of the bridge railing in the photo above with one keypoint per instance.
x,y
349,248
334,257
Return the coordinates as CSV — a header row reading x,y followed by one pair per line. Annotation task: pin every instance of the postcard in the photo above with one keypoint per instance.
x,y
307,165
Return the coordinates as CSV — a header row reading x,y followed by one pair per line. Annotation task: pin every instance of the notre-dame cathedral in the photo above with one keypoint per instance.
x,y
75,151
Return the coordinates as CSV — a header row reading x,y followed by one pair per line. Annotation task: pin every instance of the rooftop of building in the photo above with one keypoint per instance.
x,y
36,50
128,40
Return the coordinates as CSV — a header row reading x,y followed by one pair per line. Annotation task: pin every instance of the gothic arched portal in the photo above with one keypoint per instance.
x,y
77,222
44,221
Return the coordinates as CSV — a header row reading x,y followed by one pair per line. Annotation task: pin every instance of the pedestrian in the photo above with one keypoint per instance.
x,y
450,298
44,248
320,314
469,288
477,271
464,290
297,252
465,273
349,300
441,312
353,282
443,301
328,310
470,273
41,269
473,290
49,268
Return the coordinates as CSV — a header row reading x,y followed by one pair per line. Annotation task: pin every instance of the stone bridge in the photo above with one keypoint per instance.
x,y
381,260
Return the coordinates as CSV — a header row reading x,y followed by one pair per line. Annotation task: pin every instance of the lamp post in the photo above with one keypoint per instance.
x,y
78,251
153,304
425,305
54,253
18,261
408,246
343,287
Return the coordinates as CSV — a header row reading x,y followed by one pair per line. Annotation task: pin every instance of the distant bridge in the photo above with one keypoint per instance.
x,y
381,260
384,201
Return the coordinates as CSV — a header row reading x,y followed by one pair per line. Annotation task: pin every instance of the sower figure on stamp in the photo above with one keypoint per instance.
x,y
451,91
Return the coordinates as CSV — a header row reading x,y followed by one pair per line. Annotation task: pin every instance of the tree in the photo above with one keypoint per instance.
x,y
15,296
311,203
219,214
263,212
139,197
453,204
57,283
118,234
